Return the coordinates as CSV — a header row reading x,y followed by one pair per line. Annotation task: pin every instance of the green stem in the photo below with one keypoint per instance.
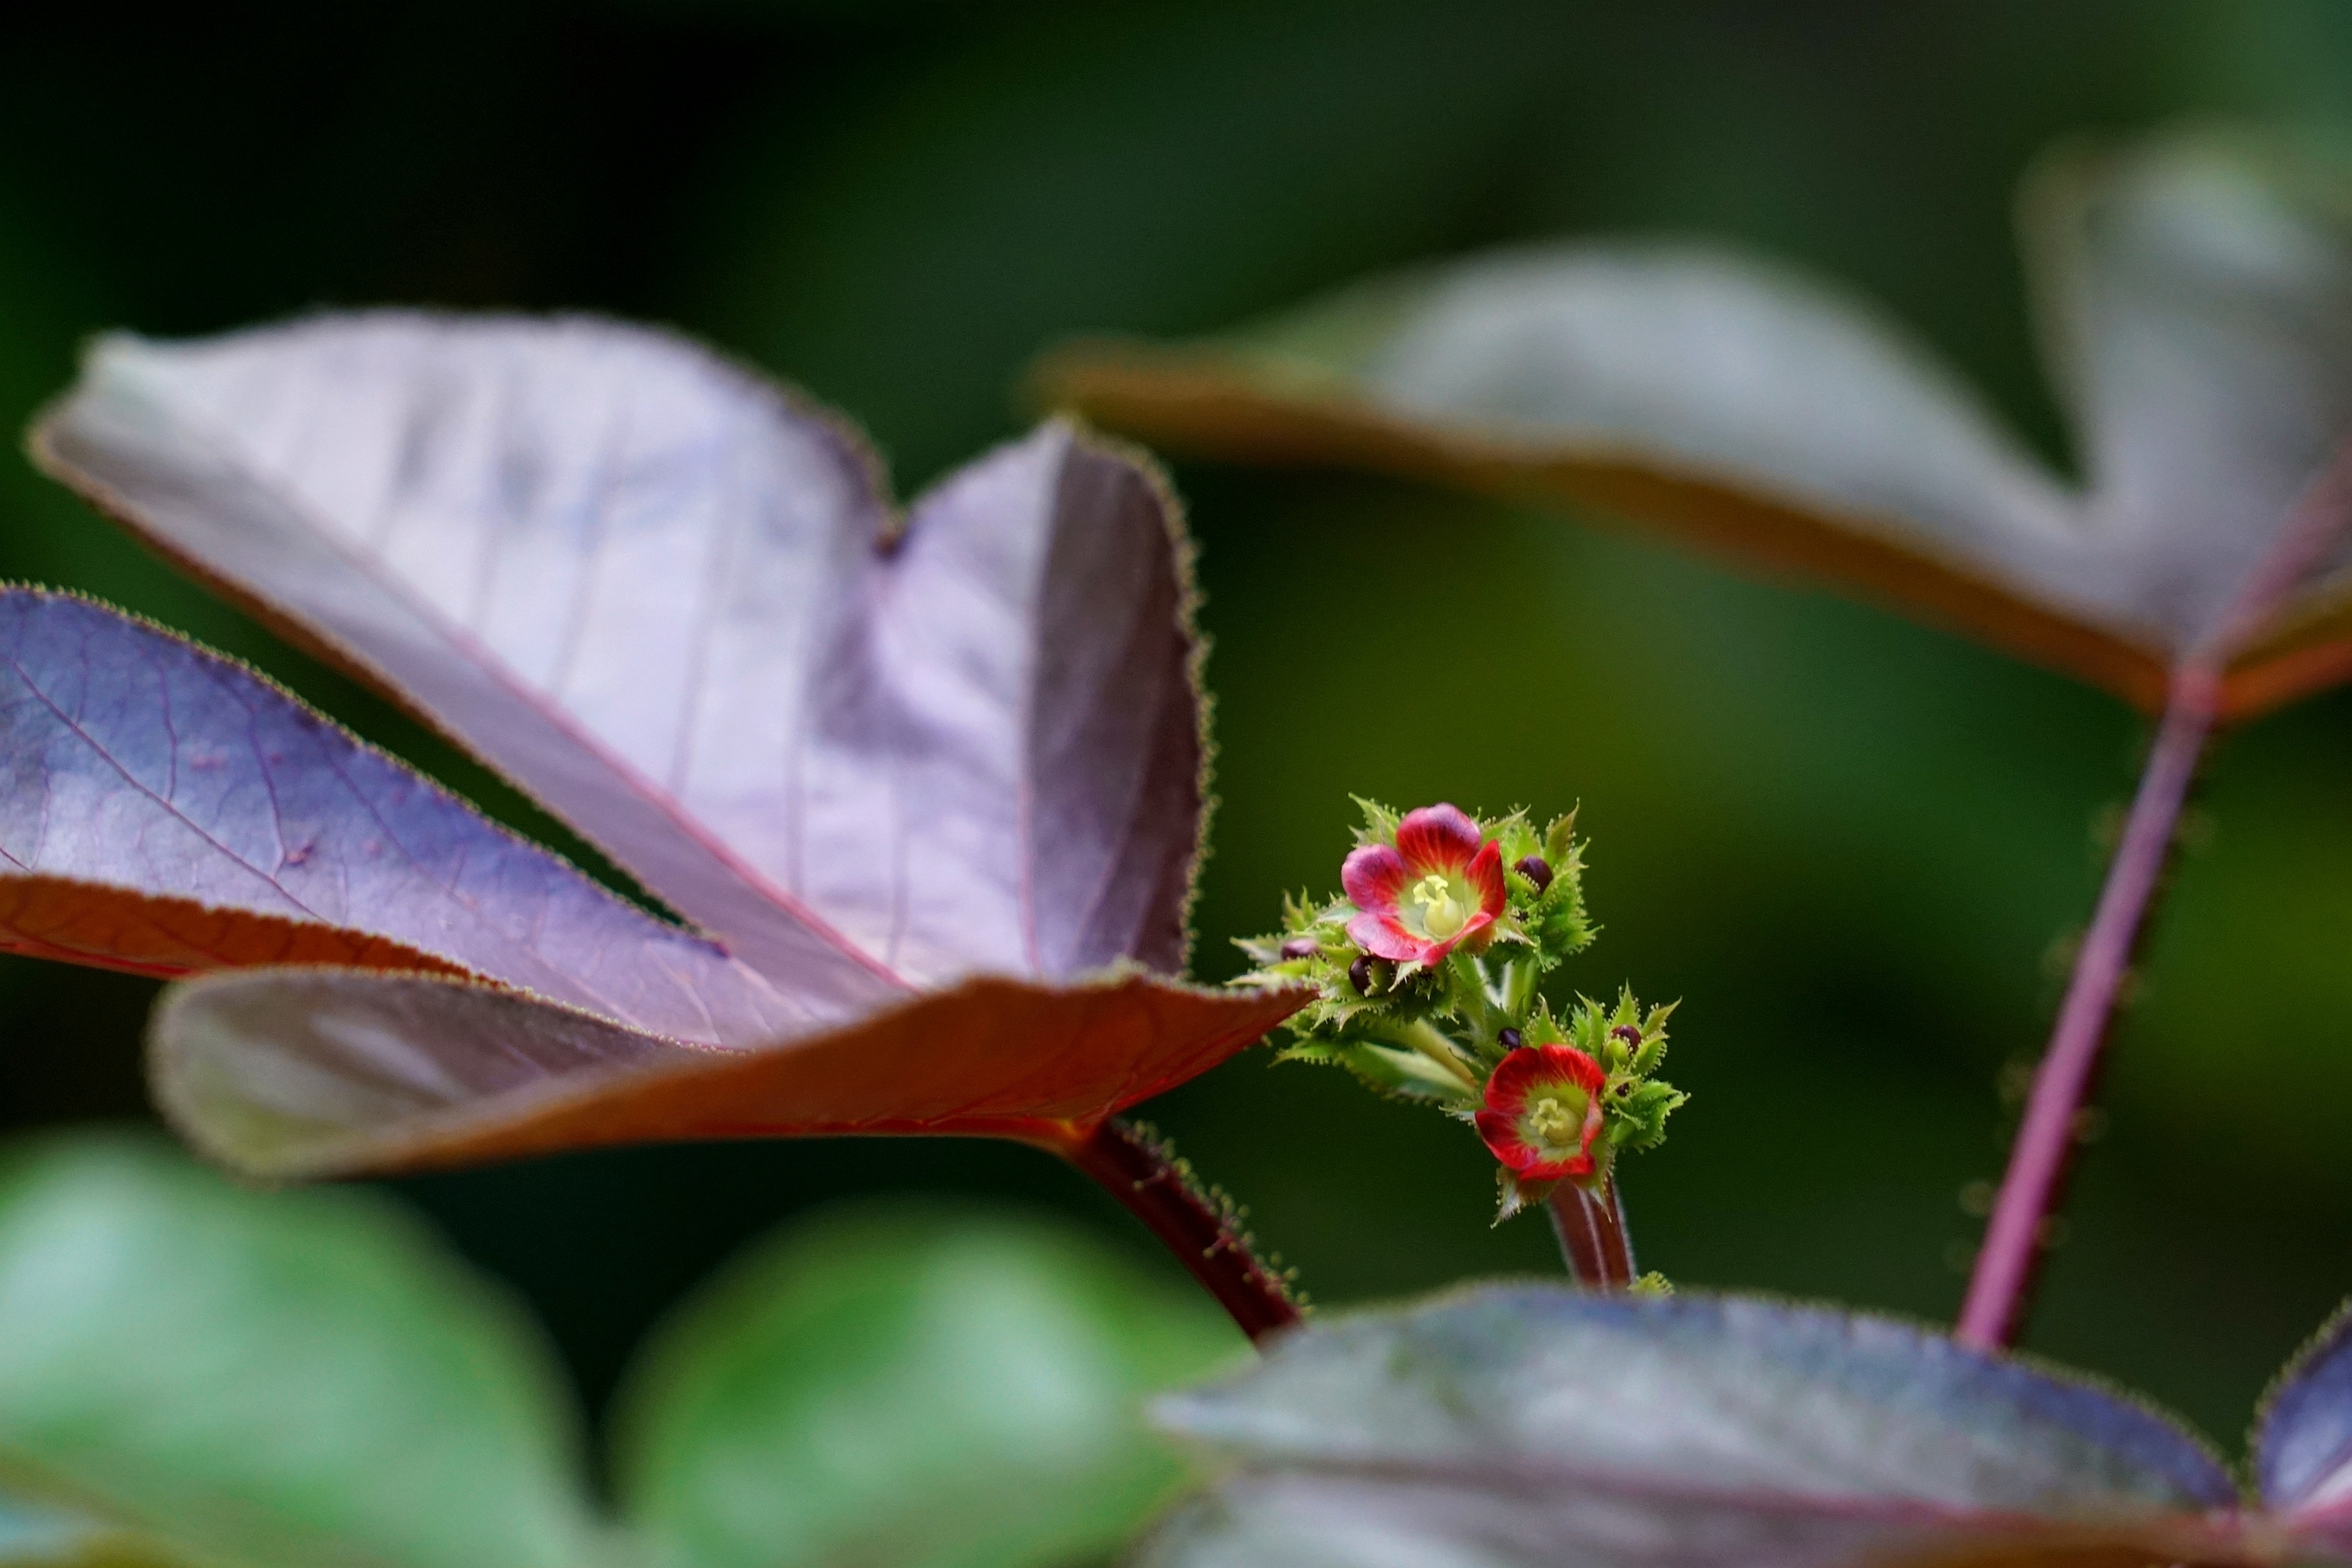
x,y
1432,1042
1519,978
1471,985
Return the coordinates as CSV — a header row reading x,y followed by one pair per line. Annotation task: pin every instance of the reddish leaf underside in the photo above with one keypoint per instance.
x,y
319,1072
150,933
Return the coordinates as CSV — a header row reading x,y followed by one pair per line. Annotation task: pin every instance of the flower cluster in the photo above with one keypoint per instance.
x,y
1426,978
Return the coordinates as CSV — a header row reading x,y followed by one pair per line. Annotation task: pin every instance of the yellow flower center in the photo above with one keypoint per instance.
x,y
1441,915
1551,1120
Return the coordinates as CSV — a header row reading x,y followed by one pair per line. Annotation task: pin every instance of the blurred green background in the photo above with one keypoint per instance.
x,y
1856,847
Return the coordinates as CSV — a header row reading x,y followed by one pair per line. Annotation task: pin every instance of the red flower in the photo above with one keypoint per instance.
x,y
1436,888
1543,1111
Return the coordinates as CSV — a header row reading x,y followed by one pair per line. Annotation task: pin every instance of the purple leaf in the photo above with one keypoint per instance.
x,y
670,604
2194,294
1539,1425
170,811
872,763
2303,1443
164,809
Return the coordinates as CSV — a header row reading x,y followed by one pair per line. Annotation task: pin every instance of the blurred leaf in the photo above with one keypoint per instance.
x,y
2196,293
290,1379
2303,1441
1536,1425
672,602
294,1072
41,1535
913,1390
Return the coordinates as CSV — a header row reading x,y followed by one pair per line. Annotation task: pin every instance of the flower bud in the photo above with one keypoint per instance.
x,y
1300,947
1536,870
1361,974
1627,1033
1509,1038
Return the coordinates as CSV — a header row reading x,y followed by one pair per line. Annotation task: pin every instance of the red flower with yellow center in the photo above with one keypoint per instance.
x,y
1437,888
1543,1112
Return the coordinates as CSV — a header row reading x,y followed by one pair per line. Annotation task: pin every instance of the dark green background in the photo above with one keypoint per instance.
x,y
1851,845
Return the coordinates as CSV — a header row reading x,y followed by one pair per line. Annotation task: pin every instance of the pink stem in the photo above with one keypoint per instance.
x,y
2038,1160
1592,1236
2030,1188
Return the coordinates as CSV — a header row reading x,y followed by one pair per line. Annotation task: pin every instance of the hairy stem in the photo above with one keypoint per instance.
x,y
1592,1236
2031,1188
1199,1226
2038,1161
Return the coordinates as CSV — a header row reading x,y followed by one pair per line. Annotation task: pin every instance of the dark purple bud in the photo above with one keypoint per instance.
x,y
1300,947
1536,870
1359,974
1509,1038
1627,1033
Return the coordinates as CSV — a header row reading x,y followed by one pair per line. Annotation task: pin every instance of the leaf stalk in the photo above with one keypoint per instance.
x,y
2039,1161
2002,1283
1199,1224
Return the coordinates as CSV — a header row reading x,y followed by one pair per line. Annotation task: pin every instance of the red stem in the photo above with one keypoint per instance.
x,y
2003,1280
1592,1236
1201,1228
2038,1161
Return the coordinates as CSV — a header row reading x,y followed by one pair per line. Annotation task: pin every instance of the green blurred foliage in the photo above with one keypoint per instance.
x,y
197,1373
269,1380
37,1535
936,1388
1852,846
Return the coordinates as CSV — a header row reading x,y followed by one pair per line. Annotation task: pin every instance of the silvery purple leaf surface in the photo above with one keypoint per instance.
x,y
144,768
2303,1446
1537,1425
926,790
673,606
